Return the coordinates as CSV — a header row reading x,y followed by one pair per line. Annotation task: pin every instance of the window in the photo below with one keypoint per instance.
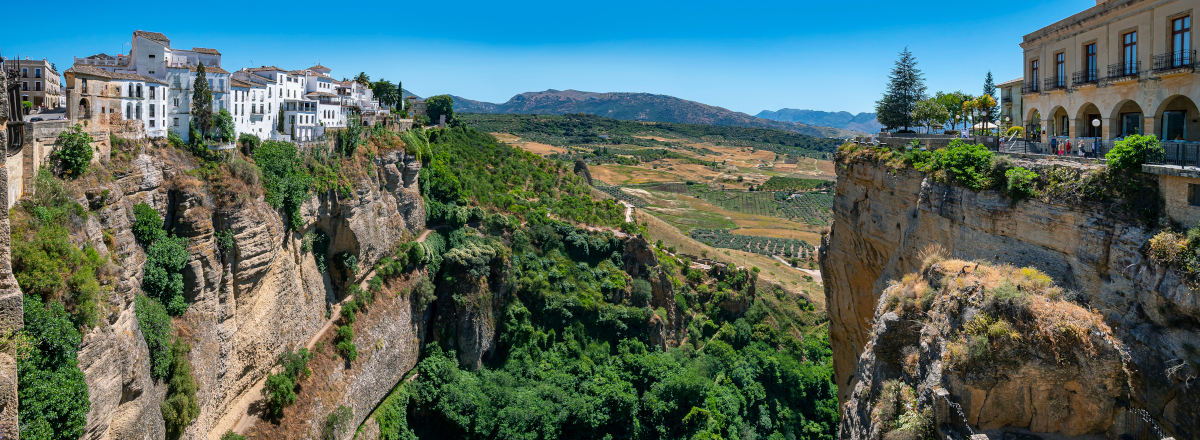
x,y
24,86
24,72
175,121
1193,194
151,56
1089,62
152,92
1060,69
151,114
37,86
151,111
37,73
1181,41
1033,72
1129,54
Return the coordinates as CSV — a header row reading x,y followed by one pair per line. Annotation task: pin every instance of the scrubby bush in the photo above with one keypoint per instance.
x,y
641,294
74,151
287,181
162,277
1128,155
963,163
280,388
230,435
248,143
1020,183
147,224
335,422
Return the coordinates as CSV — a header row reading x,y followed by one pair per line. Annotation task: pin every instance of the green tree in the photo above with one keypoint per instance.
x,y
385,92
50,386
952,102
989,89
363,78
162,277
147,224
906,86
281,393
180,408
74,151
983,106
223,130
202,114
436,106
155,324
930,113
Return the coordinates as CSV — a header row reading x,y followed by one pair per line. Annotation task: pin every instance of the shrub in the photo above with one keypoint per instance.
x,y
348,350
348,311
248,143
642,293
1167,247
147,224
963,163
287,181
74,151
51,388
162,278
245,171
280,392
1008,298
335,422
155,324
175,140
230,435
1020,183
295,364
1128,155
180,407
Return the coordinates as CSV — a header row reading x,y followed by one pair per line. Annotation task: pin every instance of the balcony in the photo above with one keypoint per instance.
x,y
1175,62
1054,84
1006,100
1030,87
1124,71
1085,77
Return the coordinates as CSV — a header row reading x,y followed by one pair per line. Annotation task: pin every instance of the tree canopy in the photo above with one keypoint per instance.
x,y
439,105
906,86
202,114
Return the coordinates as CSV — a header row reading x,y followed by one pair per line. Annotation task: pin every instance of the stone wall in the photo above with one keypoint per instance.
x,y
11,304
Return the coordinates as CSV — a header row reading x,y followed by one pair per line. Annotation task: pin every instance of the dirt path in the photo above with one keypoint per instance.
x,y
815,274
241,406
628,211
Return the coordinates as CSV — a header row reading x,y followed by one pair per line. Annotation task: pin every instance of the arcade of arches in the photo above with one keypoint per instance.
x,y
1173,118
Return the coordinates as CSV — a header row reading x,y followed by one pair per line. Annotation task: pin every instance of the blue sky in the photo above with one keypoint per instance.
x,y
743,55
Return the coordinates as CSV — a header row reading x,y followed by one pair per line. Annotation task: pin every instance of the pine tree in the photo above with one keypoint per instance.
x,y
906,87
202,114
989,89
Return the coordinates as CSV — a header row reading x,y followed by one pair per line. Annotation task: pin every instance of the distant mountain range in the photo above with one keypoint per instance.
x,y
635,107
862,122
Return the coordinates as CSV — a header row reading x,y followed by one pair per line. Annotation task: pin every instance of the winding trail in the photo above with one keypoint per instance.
x,y
242,404
628,211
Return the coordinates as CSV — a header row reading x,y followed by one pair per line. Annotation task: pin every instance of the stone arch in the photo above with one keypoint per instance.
x,y
1033,124
1177,119
1060,122
1085,119
85,109
1127,118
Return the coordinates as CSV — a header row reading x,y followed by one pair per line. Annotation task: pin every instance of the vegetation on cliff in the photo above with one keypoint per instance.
x,y
575,357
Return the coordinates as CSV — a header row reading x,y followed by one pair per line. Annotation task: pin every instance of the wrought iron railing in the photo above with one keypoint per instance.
x,y
1006,100
1180,59
1085,77
1124,70
1182,153
1030,87
1054,83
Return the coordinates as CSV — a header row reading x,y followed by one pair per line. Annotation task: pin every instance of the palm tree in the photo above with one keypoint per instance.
x,y
363,79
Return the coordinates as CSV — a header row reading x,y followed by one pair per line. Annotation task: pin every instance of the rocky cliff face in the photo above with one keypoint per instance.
x,y
250,302
884,218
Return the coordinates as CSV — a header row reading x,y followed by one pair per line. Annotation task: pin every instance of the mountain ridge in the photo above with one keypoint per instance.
x,y
863,122
634,106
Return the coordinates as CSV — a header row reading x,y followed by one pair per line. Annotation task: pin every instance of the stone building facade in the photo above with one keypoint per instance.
x,y
1121,67
39,82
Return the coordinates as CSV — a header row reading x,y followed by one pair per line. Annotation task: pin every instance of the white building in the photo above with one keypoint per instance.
x,y
152,56
249,108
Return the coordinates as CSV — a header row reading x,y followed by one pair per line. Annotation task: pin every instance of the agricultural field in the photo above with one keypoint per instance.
x,y
757,195
769,246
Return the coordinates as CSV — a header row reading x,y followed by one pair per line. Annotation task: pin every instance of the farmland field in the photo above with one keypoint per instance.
x,y
769,246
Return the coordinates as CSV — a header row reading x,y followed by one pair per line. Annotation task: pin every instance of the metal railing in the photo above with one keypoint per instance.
x,y
1180,59
1029,87
1054,84
1085,77
1181,153
1006,100
1085,147
1124,70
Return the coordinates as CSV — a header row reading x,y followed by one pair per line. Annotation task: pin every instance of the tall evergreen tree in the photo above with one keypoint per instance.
x,y
989,89
202,114
906,87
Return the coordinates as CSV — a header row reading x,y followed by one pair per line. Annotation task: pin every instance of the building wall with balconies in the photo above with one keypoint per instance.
x,y
1153,92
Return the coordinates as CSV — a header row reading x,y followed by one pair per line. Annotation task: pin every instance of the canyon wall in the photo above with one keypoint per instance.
x,y
886,220
250,302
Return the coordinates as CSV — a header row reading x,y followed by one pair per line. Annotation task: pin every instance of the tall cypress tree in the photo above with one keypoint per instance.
x,y
202,114
906,87
989,89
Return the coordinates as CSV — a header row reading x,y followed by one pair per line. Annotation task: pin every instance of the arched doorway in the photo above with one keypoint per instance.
x,y
1033,125
85,111
1177,119
1060,122
1127,118
1089,122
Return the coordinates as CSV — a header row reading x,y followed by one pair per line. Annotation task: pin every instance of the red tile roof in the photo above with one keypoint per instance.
x,y
154,36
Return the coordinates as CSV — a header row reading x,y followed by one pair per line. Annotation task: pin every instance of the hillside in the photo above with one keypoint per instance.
x,y
862,122
634,107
